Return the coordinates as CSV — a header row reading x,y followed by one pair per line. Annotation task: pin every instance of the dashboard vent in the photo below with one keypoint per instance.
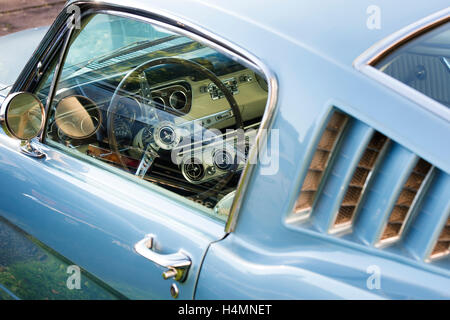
x,y
359,181
320,162
405,202
442,247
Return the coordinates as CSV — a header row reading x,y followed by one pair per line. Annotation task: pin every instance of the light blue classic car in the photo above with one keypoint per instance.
x,y
214,149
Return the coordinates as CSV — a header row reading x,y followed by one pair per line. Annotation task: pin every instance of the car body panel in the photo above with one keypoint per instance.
x,y
4,92
300,267
25,264
83,222
262,233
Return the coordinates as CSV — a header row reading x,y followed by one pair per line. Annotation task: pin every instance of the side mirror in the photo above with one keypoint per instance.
x,y
22,116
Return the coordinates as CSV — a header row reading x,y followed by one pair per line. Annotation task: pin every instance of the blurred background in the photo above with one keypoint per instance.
x,y
17,15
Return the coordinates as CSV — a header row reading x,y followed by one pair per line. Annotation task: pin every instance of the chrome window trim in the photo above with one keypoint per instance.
x,y
364,63
55,80
197,33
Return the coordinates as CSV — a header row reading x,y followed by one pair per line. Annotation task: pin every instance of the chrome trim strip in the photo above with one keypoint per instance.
x,y
446,63
55,80
382,48
364,63
261,138
412,94
210,39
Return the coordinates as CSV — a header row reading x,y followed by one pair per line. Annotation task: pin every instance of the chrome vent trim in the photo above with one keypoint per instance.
x,y
355,192
319,164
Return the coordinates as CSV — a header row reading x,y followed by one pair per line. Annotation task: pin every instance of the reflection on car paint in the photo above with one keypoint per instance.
x,y
30,271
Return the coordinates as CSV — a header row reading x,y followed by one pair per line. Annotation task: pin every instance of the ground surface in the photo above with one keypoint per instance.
x,y
17,15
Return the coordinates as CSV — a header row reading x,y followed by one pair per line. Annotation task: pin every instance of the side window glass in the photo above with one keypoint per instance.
x,y
423,64
159,106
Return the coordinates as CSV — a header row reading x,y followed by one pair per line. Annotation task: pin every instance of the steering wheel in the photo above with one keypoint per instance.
x,y
151,153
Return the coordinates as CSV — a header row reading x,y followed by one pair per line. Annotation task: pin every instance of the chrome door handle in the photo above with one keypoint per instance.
x,y
177,264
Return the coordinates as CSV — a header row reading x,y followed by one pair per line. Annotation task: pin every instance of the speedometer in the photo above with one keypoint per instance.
x,y
128,109
122,132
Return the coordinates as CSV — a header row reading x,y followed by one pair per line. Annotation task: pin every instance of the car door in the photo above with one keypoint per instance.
x,y
88,219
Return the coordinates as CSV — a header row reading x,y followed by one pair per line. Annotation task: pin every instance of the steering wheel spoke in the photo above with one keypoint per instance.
x,y
146,92
146,162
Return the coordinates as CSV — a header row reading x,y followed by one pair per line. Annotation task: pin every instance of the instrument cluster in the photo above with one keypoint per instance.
x,y
215,160
174,98
141,120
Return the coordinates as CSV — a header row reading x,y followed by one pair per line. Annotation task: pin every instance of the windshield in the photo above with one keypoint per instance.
x,y
117,43
116,39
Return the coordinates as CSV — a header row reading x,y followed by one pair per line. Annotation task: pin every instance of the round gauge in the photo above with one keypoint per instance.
x,y
158,101
193,170
128,109
178,100
61,135
223,160
78,117
122,132
166,135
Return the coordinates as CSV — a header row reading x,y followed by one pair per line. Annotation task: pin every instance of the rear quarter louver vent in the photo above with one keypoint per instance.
x,y
319,163
358,183
405,202
362,186
442,247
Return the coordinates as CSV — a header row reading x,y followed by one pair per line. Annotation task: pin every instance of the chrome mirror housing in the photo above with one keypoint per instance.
x,y
22,116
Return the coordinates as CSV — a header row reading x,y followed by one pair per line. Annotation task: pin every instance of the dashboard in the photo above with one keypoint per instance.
x,y
167,117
